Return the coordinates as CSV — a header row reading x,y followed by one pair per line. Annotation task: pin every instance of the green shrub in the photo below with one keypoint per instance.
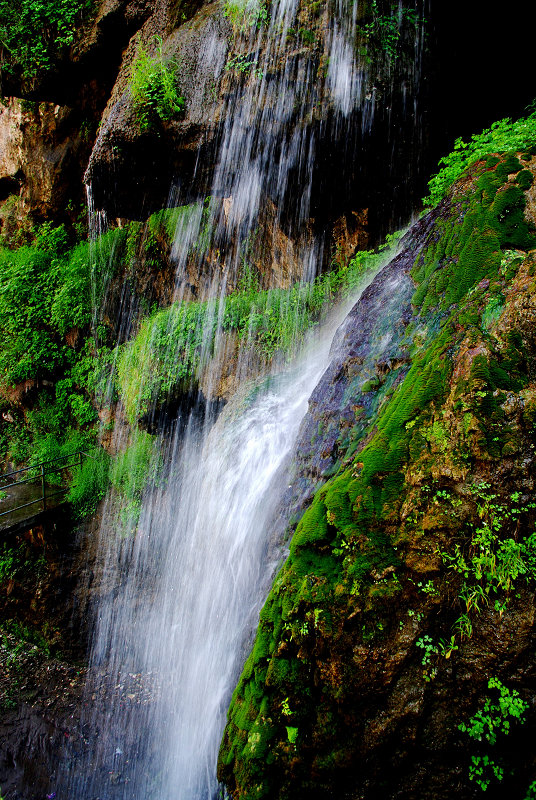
x,y
137,466
50,294
384,31
503,136
153,86
244,14
45,291
90,483
34,34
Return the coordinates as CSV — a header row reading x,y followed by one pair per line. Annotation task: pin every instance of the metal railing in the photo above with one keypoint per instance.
x,y
36,474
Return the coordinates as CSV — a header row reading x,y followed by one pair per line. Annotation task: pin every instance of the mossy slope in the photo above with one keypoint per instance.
x,y
409,435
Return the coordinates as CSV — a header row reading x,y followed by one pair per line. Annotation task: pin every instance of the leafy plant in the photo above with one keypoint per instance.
x,y
244,64
8,562
492,561
90,483
34,34
153,86
292,734
244,14
430,650
137,466
50,296
503,136
493,719
46,289
384,31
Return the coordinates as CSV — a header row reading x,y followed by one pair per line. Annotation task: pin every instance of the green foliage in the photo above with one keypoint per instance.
x,y
245,14
35,34
50,298
90,483
47,290
8,562
136,467
493,719
172,345
16,560
384,31
292,734
493,224
16,636
503,136
153,86
244,64
492,561
430,650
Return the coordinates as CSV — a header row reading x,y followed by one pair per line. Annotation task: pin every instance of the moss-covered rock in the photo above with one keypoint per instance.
x,y
413,474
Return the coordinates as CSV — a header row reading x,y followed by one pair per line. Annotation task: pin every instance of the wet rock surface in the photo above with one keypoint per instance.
x,y
40,699
369,350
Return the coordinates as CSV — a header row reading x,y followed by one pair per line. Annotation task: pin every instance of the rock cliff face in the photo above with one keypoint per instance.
x,y
365,160
415,467
42,147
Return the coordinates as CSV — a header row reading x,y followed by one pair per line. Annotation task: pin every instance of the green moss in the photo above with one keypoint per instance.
x,y
370,385
492,312
488,183
337,547
493,220
525,179
491,161
508,165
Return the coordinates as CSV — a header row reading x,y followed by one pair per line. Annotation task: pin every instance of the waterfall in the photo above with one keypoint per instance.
x,y
181,587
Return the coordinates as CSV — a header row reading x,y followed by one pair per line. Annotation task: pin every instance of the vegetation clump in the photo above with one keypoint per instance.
x,y
154,87
493,720
35,34
245,14
502,137
385,31
47,295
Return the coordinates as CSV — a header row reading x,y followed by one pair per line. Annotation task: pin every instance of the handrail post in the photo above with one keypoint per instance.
x,y
43,487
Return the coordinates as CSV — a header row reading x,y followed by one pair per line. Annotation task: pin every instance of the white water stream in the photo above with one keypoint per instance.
x,y
184,593
179,598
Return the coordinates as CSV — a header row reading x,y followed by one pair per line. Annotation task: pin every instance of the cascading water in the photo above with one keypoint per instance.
x,y
180,595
